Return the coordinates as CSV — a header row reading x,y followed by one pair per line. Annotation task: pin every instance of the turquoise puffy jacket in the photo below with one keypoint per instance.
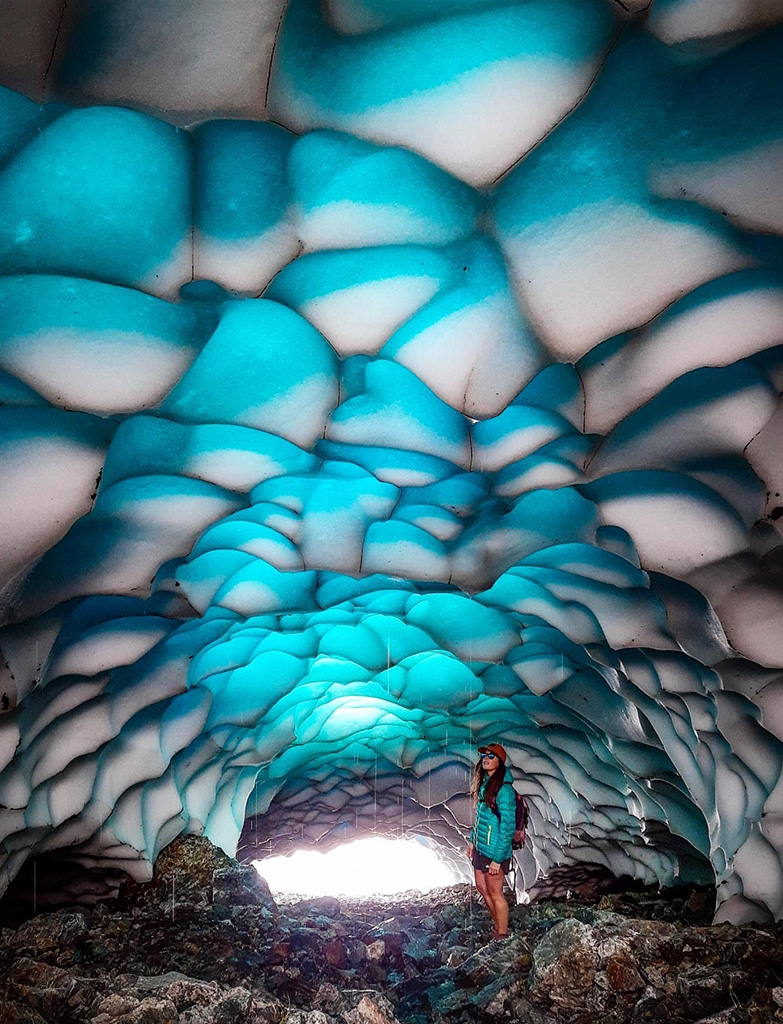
x,y
491,836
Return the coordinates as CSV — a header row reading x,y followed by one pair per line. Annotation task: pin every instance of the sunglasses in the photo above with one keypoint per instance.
x,y
488,757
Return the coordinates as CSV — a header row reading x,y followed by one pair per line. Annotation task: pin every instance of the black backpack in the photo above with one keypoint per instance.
x,y
520,822
521,815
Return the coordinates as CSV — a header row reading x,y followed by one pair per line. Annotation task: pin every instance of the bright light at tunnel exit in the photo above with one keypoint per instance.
x,y
365,867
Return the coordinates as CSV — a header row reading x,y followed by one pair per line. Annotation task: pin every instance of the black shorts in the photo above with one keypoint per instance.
x,y
481,863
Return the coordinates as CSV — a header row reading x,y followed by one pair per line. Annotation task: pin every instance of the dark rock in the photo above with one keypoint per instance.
x,y
334,954
240,885
328,998
64,1002
183,871
357,952
420,960
311,1017
422,950
446,998
328,906
19,1013
703,990
156,982
565,964
494,999
233,1007
651,1005
457,955
188,993
412,994
524,1011
618,954
393,944
152,1010
183,992
60,930
369,1008
182,877
279,952
622,975
115,1005
701,904
497,959
34,974
376,950
655,930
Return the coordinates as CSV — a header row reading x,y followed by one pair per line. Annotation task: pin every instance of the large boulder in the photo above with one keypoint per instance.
x,y
60,930
193,872
565,963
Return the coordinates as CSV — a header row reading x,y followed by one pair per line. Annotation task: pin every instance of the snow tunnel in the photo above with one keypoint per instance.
x,y
379,379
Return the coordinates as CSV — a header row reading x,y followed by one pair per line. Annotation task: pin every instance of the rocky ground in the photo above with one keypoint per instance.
x,y
205,943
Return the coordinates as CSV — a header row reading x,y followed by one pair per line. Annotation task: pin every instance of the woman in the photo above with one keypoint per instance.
x,y
489,848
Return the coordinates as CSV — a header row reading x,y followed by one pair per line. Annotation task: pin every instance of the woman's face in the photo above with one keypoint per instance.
x,y
489,762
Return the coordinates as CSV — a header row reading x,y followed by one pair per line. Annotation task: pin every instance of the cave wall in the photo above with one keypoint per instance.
x,y
378,379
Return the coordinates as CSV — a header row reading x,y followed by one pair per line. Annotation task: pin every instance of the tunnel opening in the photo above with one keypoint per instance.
x,y
370,866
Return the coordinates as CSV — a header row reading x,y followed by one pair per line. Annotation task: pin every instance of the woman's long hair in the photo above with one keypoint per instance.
x,y
496,780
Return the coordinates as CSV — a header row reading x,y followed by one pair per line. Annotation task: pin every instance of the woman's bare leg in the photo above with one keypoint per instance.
x,y
497,902
482,886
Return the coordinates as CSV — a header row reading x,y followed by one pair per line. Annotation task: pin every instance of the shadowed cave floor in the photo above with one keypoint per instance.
x,y
205,943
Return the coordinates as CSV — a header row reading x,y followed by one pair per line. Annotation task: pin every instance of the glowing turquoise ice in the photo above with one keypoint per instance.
x,y
117,168
444,407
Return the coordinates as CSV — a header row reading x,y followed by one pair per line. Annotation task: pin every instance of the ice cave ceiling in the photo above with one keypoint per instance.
x,y
378,378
